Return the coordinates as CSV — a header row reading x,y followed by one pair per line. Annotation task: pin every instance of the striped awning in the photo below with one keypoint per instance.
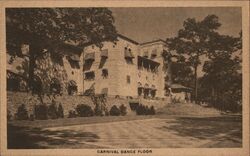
x,y
89,56
104,53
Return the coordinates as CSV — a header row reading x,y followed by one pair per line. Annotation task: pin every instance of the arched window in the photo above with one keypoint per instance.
x,y
55,86
72,87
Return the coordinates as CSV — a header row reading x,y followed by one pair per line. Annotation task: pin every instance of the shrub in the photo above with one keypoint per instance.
x,y
52,111
115,111
123,110
60,111
145,110
84,110
72,114
98,110
41,112
22,113
152,110
32,118
140,110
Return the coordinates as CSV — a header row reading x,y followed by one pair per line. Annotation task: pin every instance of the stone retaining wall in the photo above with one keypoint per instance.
x,y
15,99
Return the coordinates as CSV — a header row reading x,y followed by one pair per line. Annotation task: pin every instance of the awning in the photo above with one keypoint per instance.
x,y
104,91
75,58
90,56
180,87
128,54
72,83
147,61
104,53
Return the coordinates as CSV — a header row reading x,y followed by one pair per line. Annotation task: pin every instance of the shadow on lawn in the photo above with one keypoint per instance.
x,y
37,138
214,128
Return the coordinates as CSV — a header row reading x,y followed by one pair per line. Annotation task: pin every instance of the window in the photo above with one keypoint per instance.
x,y
90,75
154,54
105,73
129,60
128,79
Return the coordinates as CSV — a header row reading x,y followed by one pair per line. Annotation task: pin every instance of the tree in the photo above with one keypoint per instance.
x,y
198,38
41,27
222,81
182,74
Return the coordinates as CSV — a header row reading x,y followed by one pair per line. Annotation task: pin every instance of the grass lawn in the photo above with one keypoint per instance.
x,y
76,121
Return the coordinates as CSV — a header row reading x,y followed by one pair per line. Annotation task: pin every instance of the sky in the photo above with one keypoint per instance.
x,y
147,24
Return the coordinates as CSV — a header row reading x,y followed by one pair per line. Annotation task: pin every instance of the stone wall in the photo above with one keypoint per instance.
x,y
15,99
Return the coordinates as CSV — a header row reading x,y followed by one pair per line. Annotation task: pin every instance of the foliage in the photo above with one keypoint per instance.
x,y
22,113
197,39
41,112
9,115
115,111
225,91
123,110
46,28
72,114
152,110
52,111
84,110
145,110
98,111
182,74
193,40
60,111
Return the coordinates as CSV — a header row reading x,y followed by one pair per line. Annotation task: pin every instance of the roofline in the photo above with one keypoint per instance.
x,y
128,39
158,40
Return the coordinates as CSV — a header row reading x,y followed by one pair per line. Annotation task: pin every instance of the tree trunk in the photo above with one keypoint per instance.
x,y
169,72
195,84
31,68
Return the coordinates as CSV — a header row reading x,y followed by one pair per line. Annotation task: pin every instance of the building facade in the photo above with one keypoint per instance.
x,y
59,71
125,68
121,69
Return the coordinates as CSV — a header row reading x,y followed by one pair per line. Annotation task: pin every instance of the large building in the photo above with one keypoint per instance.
x,y
121,69
125,68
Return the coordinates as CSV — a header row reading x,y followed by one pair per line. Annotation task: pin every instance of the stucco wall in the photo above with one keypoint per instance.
x,y
119,69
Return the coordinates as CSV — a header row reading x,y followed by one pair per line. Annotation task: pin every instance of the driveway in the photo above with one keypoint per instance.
x,y
160,132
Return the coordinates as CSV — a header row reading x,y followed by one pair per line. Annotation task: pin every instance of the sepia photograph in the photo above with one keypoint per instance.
x,y
124,80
